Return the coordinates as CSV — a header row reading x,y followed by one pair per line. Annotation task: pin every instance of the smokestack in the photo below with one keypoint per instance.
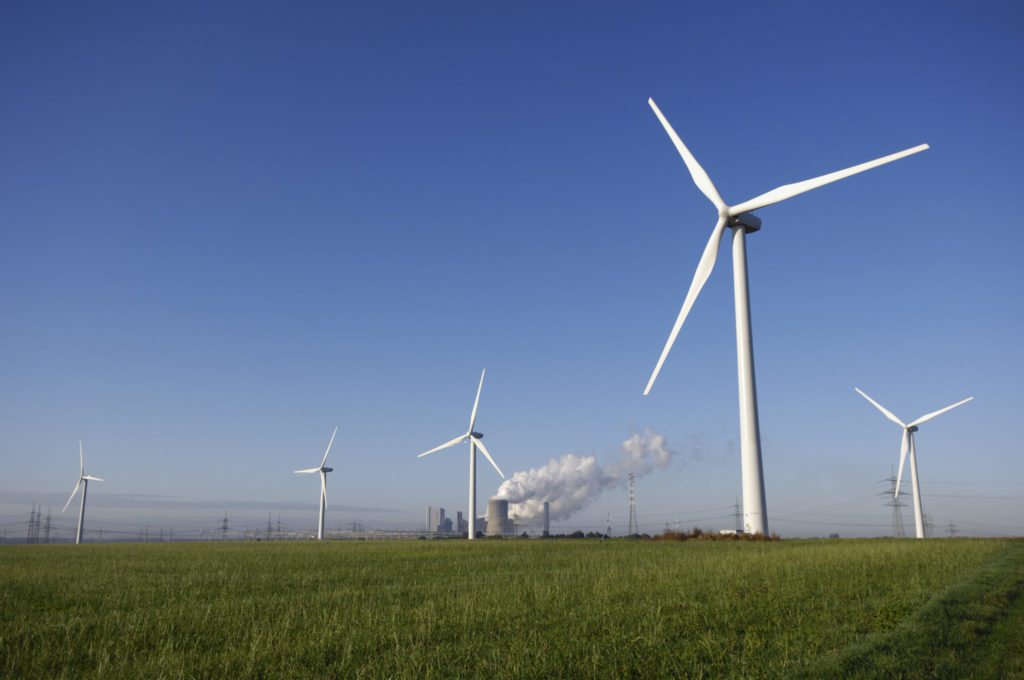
x,y
547,519
497,517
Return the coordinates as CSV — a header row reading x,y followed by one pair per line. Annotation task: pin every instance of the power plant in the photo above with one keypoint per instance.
x,y
497,518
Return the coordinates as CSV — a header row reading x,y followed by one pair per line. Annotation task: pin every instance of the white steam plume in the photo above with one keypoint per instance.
x,y
572,481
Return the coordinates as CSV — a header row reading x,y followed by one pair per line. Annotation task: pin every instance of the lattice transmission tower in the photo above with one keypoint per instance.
x,y
893,500
633,528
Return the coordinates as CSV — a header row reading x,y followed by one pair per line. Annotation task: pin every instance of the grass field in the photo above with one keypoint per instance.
x,y
515,609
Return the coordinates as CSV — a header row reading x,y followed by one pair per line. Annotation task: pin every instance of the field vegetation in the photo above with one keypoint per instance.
x,y
515,609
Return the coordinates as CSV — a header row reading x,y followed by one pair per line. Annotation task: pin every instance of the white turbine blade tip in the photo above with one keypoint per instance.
x,y
697,173
488,455
881,408
931,415
457,440
73,492
790,190
324,461
903,458
476,402
700,277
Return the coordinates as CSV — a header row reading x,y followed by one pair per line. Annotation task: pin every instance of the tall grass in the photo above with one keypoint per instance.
x,y
459,609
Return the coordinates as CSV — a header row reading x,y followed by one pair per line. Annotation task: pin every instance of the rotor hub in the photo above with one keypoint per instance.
x,y
749,221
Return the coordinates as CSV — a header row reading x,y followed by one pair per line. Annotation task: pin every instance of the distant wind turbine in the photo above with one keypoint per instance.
x,y
83,481
323,470
908,438
474,441
739,218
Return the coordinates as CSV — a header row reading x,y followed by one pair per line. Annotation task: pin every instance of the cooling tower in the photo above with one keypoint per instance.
x,y
497,517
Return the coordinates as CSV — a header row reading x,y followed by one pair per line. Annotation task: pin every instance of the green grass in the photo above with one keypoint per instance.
x,y
516,609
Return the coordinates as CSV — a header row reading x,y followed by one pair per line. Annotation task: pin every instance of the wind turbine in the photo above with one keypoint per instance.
x,y
83,481
323,470
908,436
474,441
739,218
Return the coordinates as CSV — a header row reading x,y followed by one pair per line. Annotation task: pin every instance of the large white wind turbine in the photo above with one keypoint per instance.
x,y
474,441
323,470
739,218
83,481
908,440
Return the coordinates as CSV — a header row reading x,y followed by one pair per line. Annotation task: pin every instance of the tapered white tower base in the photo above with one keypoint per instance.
x,y
918,509
81,512
471,533
323,507
755,512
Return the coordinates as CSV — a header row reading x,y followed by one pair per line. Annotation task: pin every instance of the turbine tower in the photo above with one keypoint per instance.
x,y
323,470
740,219
908,439
474,441
83,481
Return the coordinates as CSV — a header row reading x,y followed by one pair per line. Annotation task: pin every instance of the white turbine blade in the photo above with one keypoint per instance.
x,y
307,472
484,449
704,267
328,447
881,408
903,457
91,478
458,440
73,492
81,459
939,412
791,190
700,178
472,416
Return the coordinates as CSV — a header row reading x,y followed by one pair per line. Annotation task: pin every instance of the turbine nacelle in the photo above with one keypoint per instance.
x,y
749,221
476,435
912,428
326,469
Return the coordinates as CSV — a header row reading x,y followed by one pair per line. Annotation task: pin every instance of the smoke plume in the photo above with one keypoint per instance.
x,y
572,481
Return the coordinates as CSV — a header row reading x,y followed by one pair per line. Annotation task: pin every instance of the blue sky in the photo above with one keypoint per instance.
x,y
226,230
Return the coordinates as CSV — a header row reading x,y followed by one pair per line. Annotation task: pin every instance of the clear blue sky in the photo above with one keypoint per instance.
x,y
227,228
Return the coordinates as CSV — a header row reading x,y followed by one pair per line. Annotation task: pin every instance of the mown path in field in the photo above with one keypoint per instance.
x,y
973,629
